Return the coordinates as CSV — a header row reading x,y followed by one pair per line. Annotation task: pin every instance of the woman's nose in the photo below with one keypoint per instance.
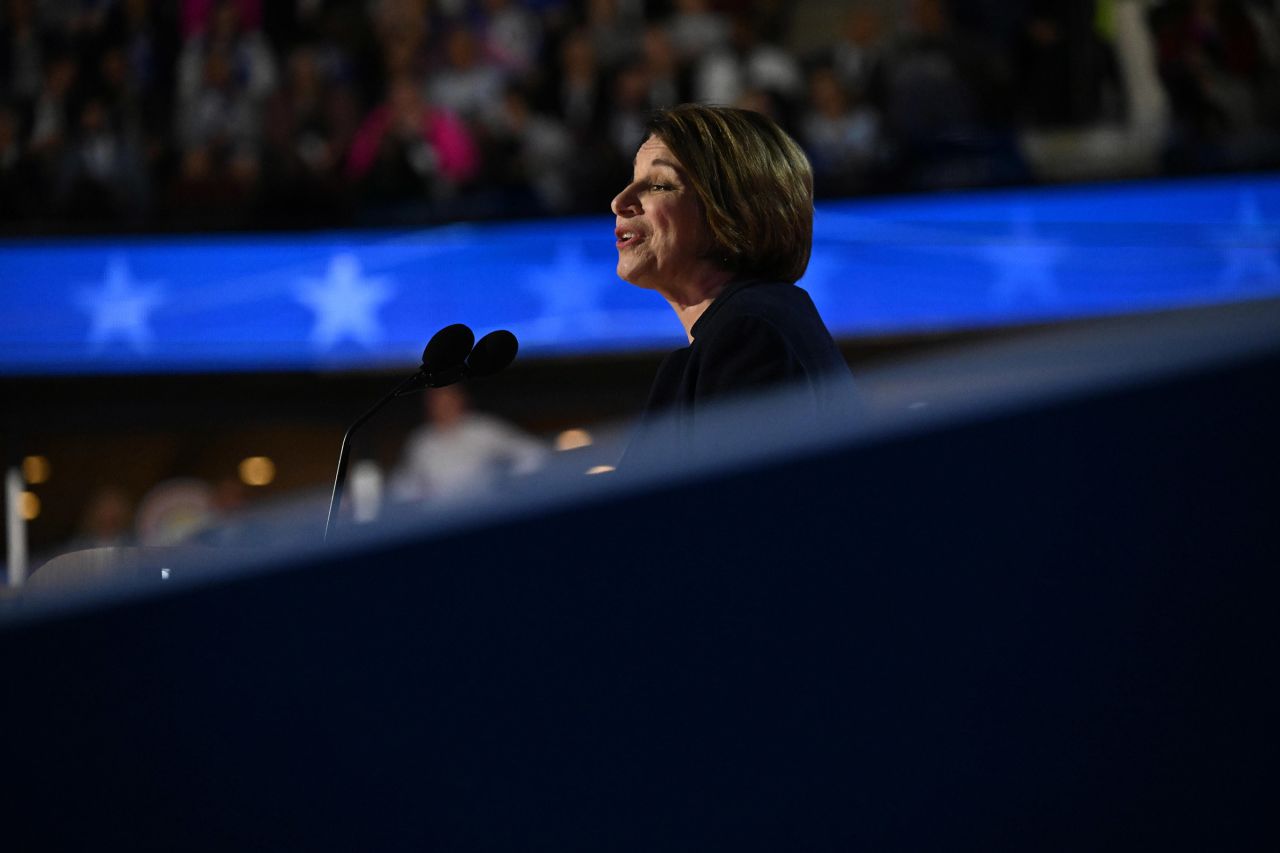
x,y
624,203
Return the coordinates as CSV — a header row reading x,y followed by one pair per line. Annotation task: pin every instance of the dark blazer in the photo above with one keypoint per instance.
x,y
755,335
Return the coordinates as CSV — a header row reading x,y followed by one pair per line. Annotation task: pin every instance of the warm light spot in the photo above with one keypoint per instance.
x,y
600,469
29,505
35,469
572,439
257,470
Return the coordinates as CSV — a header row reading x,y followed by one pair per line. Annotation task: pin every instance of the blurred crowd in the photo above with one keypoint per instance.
x,y
456,453
195,114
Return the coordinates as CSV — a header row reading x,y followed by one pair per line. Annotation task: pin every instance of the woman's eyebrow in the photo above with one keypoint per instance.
x,y
658,161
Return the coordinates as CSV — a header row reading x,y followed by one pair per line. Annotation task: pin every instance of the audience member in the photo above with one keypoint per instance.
x,y
856,54
1218,76
408,149
402,30
250,59
107,521
945,104
310,122
466,85
1066,72
512,36
697,29
630,108
535,153
840,134
102,175
578,96
219,125
746,61
226,70
614,33
580,88
668,77
50,111
48,122
459,453
142,36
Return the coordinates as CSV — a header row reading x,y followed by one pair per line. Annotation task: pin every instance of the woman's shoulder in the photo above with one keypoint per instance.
x,y
773,321
755,291
775,303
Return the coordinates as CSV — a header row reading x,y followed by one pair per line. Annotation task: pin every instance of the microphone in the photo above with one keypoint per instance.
x,y
495,351
447,347
443,359
446,360
450,356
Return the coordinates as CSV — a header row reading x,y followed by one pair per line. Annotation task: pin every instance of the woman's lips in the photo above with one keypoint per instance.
x,y
626,237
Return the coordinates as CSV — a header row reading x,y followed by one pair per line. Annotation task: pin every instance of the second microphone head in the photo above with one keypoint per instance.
x,y
493,353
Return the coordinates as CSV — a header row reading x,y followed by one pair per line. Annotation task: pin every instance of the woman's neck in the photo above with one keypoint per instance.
x,y
691,301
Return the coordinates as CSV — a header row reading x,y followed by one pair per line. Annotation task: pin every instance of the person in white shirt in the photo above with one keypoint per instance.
x,y
460,453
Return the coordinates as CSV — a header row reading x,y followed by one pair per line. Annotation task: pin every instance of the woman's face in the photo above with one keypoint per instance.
x,y
661,231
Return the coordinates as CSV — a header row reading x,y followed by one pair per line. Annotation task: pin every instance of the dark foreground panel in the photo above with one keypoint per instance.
x,y
1049,627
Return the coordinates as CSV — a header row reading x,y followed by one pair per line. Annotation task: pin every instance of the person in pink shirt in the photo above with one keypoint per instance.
x,y
406,144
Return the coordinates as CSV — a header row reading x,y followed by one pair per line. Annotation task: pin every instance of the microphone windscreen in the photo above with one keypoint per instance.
x,y
447,348
493,353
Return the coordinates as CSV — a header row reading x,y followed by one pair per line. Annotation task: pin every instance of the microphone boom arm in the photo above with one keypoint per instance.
x,y
336,498
451,356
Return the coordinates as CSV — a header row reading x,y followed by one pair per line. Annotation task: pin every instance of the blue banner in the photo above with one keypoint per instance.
x,y
340,300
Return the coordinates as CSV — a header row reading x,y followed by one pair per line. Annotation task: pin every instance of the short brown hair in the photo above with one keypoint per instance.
x,y
754,182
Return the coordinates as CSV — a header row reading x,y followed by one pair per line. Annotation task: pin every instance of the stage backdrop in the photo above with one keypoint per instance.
x,y
369,299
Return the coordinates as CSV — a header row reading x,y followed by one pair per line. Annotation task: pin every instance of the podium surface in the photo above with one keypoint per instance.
x,y
1037,626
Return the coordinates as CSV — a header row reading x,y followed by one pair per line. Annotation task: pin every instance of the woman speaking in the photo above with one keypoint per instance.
x,y
718,219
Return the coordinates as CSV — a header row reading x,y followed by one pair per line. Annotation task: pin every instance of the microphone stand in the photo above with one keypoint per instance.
x,y
343,452
494,352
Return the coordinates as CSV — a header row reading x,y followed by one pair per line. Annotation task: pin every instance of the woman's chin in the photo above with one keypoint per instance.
x,y
631,275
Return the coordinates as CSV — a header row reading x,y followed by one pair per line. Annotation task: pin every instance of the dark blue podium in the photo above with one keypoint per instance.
x,y
1036,612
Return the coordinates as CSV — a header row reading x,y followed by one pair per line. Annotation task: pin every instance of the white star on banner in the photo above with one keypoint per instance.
x,y
570,289
119,308
345,303
1023,264
1250,248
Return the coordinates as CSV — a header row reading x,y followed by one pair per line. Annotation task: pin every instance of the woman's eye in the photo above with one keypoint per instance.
x,y
659,187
